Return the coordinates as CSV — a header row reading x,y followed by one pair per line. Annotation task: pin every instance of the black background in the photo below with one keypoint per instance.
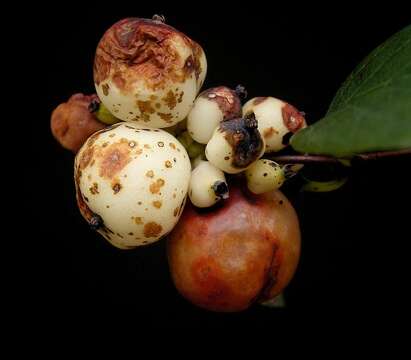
x,y
353,240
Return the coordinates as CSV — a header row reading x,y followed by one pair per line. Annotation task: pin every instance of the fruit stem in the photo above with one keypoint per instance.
x,y
322,159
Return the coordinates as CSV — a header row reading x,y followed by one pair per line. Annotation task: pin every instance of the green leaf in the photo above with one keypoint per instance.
x,y
372,109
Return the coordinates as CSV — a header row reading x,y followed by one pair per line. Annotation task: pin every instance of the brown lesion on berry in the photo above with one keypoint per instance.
x,y
150,173
86,157
93,138
105,88
152,229
114,158
145,107
157,204
170,100
292,118
118,80
180,97
140,49
85,211
167,117
94,189
226,99
259,100
116,186
267,133
245,139
156,186
188,67
198,53
138,220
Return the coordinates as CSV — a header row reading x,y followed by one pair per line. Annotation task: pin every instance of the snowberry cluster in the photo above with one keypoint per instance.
x,y
149,138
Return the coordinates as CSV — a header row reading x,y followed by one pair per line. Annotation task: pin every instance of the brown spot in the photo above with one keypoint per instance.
x,y
92,139
166,117
114,159
139,203
175,213
292,118
226,158
180,98
119,81
132,144
160,144
107,206
157,204
94,189
152,229
197,52
116,187
188,69
105,88
120,236
92,162
138,220
226,99
170,100
267,133
168,164
157,105
130,233
155,186
153,97
147,146
259,100
150,173
112,135
86,157
89,177
145,107
172,145
105,144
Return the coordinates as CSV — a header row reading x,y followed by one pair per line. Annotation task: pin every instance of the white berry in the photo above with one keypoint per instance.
x,y
264,175
148,72
210,108
132,183
207,185
277,120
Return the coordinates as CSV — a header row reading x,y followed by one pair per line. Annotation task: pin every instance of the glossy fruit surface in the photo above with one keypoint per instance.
x,y
247,250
